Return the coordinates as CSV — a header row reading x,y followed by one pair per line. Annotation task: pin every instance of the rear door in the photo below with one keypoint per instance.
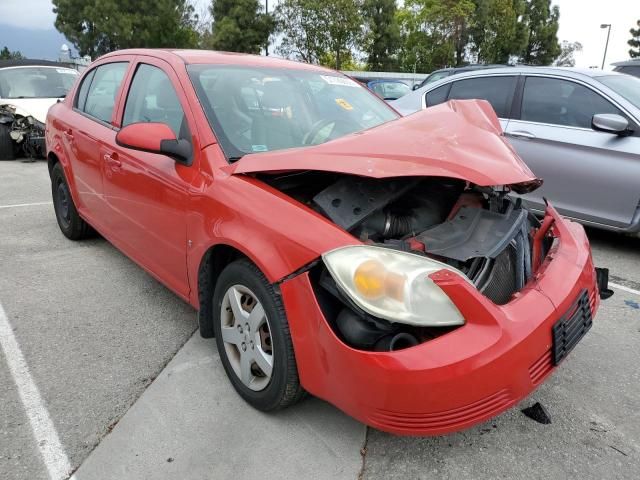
x,y
88,129
585,172
148,193
498,90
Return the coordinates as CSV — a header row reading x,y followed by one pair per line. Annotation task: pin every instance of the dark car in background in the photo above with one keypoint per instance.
x,y
630,67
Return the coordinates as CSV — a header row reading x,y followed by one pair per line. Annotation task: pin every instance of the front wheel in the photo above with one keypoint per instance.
x,y
70,223
252,335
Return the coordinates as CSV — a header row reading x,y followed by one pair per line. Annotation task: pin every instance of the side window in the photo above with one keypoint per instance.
x,y
152,98
101,93
562,102
81,98
437,96
498,91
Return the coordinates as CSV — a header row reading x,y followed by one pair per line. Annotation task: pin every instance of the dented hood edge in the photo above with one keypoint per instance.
x,y
459,139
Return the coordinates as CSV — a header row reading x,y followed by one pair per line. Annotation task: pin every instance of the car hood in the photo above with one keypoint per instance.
x,y
459,139
34,107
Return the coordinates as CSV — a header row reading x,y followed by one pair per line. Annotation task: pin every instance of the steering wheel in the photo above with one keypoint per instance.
x,y
316,128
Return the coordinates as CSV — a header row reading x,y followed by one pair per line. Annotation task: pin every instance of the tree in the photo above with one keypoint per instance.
x,y
382,40
634,41
499,30
543,47
97,27
239,26
6,54
313,30
567,52
435,33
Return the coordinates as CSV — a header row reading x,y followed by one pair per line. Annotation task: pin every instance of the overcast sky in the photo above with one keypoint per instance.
x,y
580,21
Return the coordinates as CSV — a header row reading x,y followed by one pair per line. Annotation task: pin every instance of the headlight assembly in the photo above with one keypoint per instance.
x,y
393,285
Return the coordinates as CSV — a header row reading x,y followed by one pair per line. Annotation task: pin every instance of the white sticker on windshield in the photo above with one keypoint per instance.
x,y
67,71
345,82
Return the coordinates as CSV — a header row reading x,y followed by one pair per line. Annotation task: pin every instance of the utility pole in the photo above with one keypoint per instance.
x,y
266,10
608,26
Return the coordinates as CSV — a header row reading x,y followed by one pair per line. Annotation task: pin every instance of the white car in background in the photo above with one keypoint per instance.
x,y
27,89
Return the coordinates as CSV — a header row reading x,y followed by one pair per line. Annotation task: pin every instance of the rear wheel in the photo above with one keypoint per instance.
x,y
253,338
70,223
7,147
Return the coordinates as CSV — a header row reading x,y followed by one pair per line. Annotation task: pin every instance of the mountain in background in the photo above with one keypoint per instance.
x,y
37,44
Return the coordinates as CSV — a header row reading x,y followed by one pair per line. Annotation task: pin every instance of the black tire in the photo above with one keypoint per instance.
x,y
71,224
284,387
7,147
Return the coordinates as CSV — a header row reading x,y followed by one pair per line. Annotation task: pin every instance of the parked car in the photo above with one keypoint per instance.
x,y
447,72
578,130
27,89
630,67
329,245
388,89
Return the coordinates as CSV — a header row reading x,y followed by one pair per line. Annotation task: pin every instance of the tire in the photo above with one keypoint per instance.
x,y
282,388
7,148
71,225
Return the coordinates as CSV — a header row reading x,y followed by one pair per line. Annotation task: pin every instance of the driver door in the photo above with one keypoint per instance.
x,y
148,193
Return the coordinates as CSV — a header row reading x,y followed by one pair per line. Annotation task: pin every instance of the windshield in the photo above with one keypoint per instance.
x,y
624,85
390,90
253,109
36,82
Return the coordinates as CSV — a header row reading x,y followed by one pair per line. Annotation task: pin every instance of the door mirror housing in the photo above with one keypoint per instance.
x,y
155,138
611,123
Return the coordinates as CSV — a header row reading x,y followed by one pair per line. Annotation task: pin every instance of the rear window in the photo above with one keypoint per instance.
x,y
498,91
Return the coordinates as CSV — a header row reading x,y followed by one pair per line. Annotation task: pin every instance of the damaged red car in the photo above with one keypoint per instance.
x,y
329,245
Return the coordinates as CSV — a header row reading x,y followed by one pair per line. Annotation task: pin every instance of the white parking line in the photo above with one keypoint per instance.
x,y
624,289
54,457
26,204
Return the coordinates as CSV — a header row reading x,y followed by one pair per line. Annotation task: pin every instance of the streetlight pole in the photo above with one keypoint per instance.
x,y
608,27
266,10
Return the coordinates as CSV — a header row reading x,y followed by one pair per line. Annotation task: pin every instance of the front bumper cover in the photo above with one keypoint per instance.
x,y
461,378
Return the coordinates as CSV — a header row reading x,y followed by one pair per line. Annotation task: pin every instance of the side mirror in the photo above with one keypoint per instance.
x,y
415,87
155,138
611,123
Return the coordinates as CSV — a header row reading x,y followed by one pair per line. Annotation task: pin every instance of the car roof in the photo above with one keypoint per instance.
x,y
524,69
627,63
25,62
222,58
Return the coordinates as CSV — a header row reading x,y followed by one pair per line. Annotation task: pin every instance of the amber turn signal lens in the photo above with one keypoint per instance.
x,y
369,279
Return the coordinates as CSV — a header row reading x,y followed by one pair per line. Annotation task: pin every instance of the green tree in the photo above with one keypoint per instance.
x,y
499,30
543,47
97,27
634,41
239,26
382,40
435,33
6,54
566,58
317,30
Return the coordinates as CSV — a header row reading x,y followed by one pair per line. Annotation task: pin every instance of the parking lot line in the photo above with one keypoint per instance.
x,y
16,205
53,455
624,289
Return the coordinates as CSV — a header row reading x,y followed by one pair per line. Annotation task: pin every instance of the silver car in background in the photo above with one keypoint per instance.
x,y
578,130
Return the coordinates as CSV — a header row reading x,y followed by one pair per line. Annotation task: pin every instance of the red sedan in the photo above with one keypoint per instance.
x,y
377,262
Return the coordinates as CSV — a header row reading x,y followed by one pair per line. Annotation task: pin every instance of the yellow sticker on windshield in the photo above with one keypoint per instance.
x,y
344,104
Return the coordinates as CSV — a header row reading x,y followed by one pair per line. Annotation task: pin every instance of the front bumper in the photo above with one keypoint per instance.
x,y
459,379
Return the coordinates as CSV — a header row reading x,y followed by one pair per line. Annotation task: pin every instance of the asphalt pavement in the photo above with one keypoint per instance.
x,y
130,392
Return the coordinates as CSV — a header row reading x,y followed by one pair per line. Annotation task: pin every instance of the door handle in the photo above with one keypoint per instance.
x,y
68,134
112,160
522,134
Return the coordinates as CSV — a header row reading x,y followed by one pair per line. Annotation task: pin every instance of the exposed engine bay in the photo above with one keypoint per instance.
x,y
480,231
25,131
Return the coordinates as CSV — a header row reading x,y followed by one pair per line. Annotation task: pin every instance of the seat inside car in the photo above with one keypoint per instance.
x,y
274,125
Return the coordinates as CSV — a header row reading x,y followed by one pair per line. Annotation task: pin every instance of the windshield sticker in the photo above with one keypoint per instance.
x,y
259,148
67,71
344,104
345,82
